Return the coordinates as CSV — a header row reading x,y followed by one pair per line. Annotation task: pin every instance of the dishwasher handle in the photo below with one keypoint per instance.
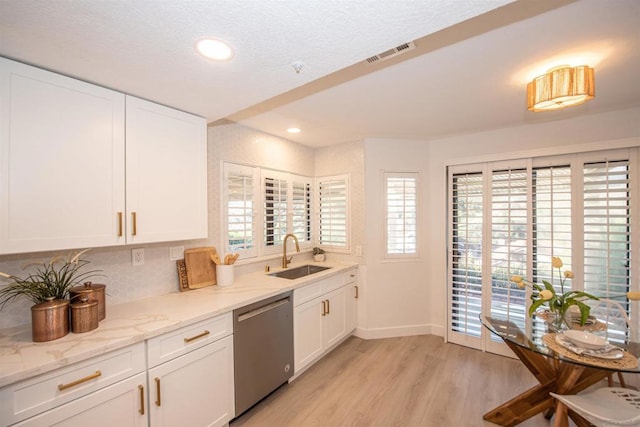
x,y
259,310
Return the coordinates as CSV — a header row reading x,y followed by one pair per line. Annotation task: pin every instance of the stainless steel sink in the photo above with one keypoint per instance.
x,y
298,272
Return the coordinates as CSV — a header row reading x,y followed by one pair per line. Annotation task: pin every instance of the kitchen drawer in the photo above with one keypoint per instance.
x,y
307,293
321,287
27,398
350,276
173,344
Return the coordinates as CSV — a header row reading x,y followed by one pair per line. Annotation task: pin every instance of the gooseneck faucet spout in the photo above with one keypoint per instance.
x,y
285,261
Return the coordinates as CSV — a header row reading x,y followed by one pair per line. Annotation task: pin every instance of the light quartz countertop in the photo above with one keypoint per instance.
x,y
139,320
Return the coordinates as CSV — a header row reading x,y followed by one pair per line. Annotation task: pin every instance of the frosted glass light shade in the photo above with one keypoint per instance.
x,y
560,88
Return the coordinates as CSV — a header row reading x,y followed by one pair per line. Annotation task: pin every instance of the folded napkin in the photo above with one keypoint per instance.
x,y
609,351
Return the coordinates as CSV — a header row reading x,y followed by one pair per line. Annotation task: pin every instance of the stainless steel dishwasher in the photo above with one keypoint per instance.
x,y
262,348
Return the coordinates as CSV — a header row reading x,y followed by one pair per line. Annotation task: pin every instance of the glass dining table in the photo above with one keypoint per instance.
x,y
557,368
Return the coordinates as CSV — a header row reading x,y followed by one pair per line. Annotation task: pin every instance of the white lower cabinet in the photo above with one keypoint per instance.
x,y
122,404
323,316
106,390
194,388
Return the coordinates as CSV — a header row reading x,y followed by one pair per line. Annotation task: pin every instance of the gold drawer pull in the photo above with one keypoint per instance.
x,y
158,400
141,410
328,307
204,334
356,292
96,374
324,307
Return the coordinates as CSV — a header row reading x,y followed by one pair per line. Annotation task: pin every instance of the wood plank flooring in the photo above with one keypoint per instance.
x,y
408,381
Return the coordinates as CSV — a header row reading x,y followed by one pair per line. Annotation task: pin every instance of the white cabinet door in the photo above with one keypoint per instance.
x,y
122,404
352,306
195,389
61,161
166,170
335,321
307,333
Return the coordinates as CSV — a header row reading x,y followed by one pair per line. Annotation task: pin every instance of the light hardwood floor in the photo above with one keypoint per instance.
x,y
409,381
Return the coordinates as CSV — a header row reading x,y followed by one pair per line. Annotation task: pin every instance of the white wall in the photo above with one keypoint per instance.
x,y
397,292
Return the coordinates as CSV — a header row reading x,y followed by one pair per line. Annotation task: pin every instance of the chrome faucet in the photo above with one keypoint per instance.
x,y
286,261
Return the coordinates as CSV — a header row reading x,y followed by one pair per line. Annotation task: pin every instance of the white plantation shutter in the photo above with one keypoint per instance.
x,y
240,202
509,221
275,208
301,209
400,191
551,228
333,215
466,225
552,222
607,230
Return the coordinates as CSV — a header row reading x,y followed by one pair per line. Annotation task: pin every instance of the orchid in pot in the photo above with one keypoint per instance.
x,y
558,302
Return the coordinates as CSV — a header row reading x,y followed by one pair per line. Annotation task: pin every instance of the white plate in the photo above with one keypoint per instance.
x,y
585,339
609,351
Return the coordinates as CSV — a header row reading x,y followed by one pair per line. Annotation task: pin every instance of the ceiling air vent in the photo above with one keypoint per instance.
x,y
387,54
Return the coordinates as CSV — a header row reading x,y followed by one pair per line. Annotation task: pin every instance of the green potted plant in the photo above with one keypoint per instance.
x,y
47,287
318,254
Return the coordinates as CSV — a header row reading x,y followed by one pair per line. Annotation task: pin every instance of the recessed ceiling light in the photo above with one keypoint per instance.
x,y
293,130
214,49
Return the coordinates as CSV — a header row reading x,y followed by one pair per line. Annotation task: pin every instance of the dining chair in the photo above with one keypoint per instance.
x,y
617,323
604,407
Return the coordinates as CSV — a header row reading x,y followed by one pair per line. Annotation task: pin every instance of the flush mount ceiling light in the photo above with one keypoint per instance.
x,y
214,49
293,130
561,87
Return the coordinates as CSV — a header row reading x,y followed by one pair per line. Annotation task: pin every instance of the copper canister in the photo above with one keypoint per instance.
x,y
84,315
50,320
92,291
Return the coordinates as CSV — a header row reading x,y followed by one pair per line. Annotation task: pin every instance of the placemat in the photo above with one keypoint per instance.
x,y
628,360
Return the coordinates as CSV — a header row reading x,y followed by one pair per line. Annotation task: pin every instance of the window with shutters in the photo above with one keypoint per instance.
x,y
261,202
240,193
400,192
276,207
333,212
301,208
526,211
607,225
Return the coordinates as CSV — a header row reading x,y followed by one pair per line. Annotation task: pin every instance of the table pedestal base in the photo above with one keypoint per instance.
x,y
553,376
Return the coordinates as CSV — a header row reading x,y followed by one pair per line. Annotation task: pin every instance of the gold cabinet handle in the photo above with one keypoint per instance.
x,y
324,307
158,399
204,334
141,410
356,297
328,307
119,224
96,374
134,223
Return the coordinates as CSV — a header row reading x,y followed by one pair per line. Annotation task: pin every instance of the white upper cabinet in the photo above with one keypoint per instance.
x,y
63,168
61,161
166,173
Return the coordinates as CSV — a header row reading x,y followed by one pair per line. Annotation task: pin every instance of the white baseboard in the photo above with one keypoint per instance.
x,y
397,331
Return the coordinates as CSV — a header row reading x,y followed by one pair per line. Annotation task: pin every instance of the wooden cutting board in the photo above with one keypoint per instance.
x,y
201,270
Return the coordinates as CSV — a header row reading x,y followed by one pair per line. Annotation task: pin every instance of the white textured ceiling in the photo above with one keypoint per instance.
x,y
468,75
